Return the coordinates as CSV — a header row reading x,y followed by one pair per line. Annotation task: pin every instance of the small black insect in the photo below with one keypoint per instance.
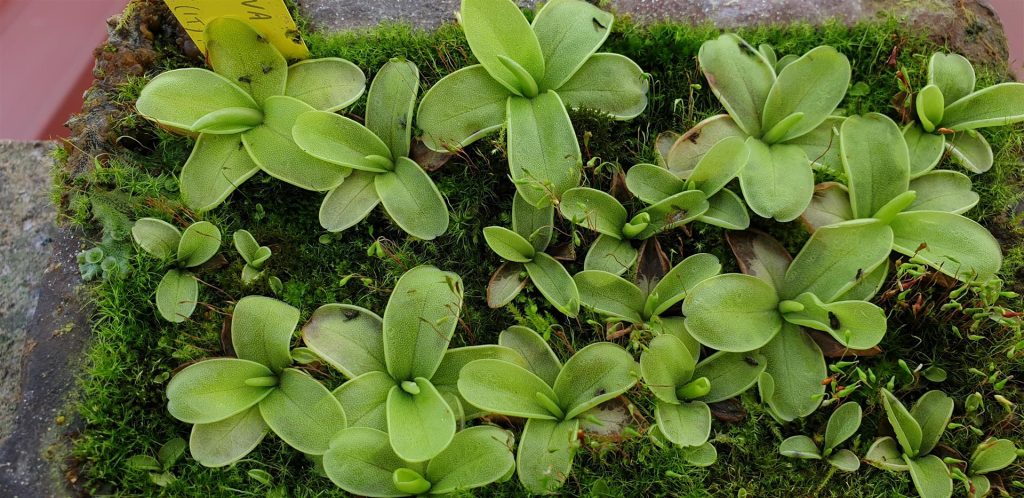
x,y
351,314
833,320
600,391
750,361
401,122
244,79
294,36
598,24
860,274
240,145
267,69
261,39
693,137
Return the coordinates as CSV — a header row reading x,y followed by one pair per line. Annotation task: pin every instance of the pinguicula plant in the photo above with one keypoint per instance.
x,y
523,248
527,76
551,396
642,304
242,113
253,253
178,291
950,111
698,193
992,455
683,387
917,431
923,213
824,288
379,154
234,402
783,110
842,425
362,462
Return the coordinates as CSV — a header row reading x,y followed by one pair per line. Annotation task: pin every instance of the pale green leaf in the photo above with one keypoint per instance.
x,y
419,320
929,105
925,149
740,77
339,140
595,210
509,245
157,237
361,461
213,390
885,454
611,255
845,460
835,257
569,32
730,374
302,412
855,324
539,357
733,312
236,51
950,243
535,224
497,28
970,150
222,443
689,148
992,455
217,165
652,183
952,74
609,83
419,425
177,99
842,424
450,121
906,427
796,369
821,145
506,388
261,331
476,457
199,242
328,83
981,486
364,399
545,454
726,210
672,287
777,181
829,205
722,162
176,295
447,376
595,374
347,337
931,477
390,103
944,190
674,212
666,366
997,105
675,326
554,283
610,295
875,160
543,154
685,424
245,244
813,85
932,412
867,285
412,200
349,203
704,455
800,447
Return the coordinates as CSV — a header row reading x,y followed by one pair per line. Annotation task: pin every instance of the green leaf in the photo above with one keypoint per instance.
x,y
796,369
569,32
689,148
364,399
419,321
685,424
157,237
176,295
539,357
842,424
992,455
731,374
505,284
835,256
222,443
956,246
981,486
245,244
497,28
821,145
506,388
931,477
217,165
726,210
237,52
595,374
759,255
261,331
813,85
412,200
347,337
339,140
666,366
704,455
740,77
543,154
674,286
198,244
535,224
272,147
213,390
476,457
845,460
652,183
361,461
952,74
144,462
719,165
610,295
450,121
228,121
932,412
855,324
302,412
675,326
929,105
944,190
829,205
925,149
733,312
906,427
777,181
611,255
349,203
674,212
875,160
997,105
554,283
800,447
328,83
171,452
390,104
970,150
509,245
545,454
177,99
419,425
610,83
886,455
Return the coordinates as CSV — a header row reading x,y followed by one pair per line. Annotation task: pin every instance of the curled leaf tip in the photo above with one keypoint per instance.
x,y
694,389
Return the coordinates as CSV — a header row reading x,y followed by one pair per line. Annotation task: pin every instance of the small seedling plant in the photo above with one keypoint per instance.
x,y
950,110
917,431
178,290
992,455
234,402
254,255
378,154
842,425
243,111
527,76
550,395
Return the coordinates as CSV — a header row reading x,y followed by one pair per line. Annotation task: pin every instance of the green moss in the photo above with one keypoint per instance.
x,y
134,353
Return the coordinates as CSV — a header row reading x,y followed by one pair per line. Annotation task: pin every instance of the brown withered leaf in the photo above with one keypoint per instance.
x,y
505,284
563,252
730,411
832,349
428,159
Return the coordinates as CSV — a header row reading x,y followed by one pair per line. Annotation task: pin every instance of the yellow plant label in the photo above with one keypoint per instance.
x,y
269,17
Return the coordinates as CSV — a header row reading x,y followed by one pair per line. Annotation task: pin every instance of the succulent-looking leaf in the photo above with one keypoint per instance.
x,y
726,210
361,461
829,205
199,242
719,165
760,255
505,284
740,77
237,52
302,412
855,324
509,245
497,28
569,33
652,183
952,74
595,374
610,255
822,143
225,442
733,312
419,321
932,412
929,106
885,454
350,202
704,455
420,425
261,331
390,104
683,277
545,454
795,368
777,181
177,99
875,160
610,295
981,485
992,455
213,390
539,357
450,121
997,105
476,457
950,243
685,424
730,374
812,85
217,165
945,190
339,140
347,337
931,477
554,283
835,257
672,212
800,447
506,388
328,84
364,399
609,83
906,427
925,149
535,224
666,366
971,150
157,237
845,460
842,424
176,295
446,378
543,154
245,244
689,148
594,210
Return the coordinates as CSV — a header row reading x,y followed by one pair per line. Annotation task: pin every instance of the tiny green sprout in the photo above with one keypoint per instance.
x,y
523,248
159,468
551,396
922,215
243,112
918,431
766,308
234,402
253,253
950,111
842,425
528,75
178,291
992,455
379,155
782,109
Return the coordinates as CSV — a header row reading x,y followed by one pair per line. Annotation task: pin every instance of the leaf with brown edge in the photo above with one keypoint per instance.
x,y
652,265
505,284
760,255
428,159
832,349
